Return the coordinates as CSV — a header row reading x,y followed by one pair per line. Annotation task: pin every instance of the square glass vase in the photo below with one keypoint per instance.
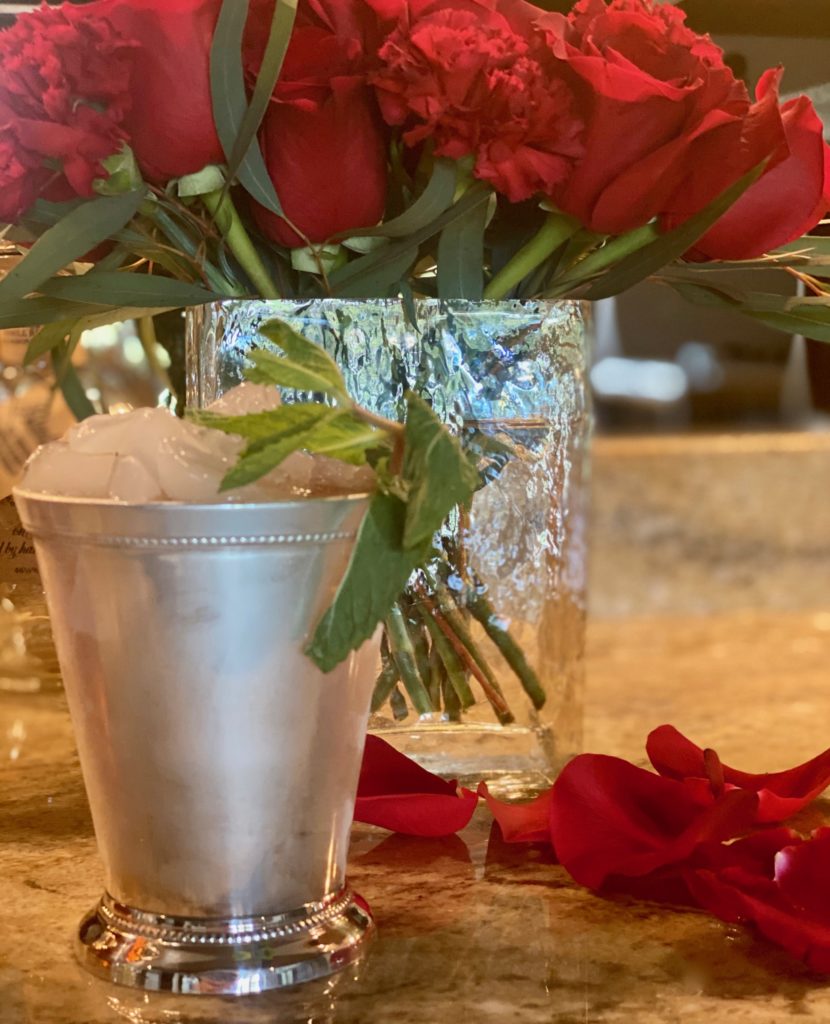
x,y
482,665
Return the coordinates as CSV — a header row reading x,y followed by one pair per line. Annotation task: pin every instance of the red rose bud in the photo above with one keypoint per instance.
x,y
170,124
475,80
788,200
64,97
664,115
323,139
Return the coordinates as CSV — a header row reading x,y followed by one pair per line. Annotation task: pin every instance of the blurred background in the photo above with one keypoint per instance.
x,y
660,365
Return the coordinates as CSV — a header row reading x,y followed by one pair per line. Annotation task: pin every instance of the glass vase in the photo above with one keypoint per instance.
x,y
505,703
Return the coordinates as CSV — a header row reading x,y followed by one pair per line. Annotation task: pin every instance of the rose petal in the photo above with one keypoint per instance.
x,y
786,896
396,793
521,823
780,794
609,817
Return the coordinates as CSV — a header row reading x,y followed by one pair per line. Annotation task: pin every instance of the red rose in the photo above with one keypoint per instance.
x,y
170,124
322,137
788,201
665,116
472,80
64,95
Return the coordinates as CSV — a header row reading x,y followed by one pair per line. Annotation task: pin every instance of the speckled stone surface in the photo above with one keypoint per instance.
x,y
469,927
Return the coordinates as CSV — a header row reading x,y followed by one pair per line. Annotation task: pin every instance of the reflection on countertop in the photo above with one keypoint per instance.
x,y
470,925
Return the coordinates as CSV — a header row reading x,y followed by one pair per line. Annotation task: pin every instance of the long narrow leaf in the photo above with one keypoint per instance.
x,y
38,311
431,203
669,246
461,256
282,25
354,279
116,289
72,389
83,228
230,102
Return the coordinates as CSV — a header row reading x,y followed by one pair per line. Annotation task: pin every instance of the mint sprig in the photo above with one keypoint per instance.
x,y
423,474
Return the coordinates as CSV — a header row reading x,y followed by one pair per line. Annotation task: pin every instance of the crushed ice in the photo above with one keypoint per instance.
x,y
149,455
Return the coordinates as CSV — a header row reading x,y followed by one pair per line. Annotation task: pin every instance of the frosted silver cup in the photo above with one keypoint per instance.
x,y
220,764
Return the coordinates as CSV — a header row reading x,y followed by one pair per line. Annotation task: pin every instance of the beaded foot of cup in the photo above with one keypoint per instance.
x,y
232,956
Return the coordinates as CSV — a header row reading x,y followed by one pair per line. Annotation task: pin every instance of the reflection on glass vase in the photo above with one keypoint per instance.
x,y
482,661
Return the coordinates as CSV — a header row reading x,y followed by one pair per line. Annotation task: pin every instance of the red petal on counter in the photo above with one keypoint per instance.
x,y
780,794
609,818
521,823
396,793
785,893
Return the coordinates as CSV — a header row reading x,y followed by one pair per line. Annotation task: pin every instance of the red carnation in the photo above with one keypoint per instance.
x,y
665,116
462,76
64,96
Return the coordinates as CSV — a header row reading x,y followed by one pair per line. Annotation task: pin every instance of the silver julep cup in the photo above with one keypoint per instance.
x,y
220,764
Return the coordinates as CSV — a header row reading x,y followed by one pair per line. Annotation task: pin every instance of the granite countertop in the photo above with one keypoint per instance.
x,y
469,925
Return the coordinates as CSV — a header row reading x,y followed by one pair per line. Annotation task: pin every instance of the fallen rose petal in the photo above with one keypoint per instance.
x,y
397,794
609,817
784,893
521,823
780,794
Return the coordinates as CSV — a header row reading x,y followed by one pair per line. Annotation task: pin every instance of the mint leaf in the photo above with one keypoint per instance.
x,y
439,474
376,576
269,427
305,366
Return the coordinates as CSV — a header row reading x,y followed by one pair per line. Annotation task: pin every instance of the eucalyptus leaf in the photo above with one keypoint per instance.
x,y
39,310
46,340
377,573
439,474
80,230
282,25
374,273
431,203
461,256
305,366
230,101
72,388
109,288
669,246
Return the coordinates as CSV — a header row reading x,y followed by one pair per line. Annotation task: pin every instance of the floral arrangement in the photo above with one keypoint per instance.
x,y
190,150
695,834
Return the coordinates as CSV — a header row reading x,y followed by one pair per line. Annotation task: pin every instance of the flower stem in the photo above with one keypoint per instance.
x,y
558,228
239,242
601,259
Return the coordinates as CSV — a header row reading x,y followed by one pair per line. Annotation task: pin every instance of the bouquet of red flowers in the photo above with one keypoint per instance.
x,y
161,153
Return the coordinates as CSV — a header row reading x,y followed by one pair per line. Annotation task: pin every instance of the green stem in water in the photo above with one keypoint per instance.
x,y
239,242
558,228
404,657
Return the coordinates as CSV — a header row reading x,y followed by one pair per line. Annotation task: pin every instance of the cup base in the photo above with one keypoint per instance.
x,y
230,956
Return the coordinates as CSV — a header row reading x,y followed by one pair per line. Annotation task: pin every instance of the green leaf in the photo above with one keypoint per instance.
x,y
37,311
304,367
282,25
373,273
72,237
46,340
343,436
378,571
431,203
669,246
461,256
262,428
72,389
126,289
230,101
439,474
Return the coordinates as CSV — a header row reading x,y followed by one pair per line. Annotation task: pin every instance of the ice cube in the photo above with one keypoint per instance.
x,y
190,471
331,476
245,398
132,481
56,469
